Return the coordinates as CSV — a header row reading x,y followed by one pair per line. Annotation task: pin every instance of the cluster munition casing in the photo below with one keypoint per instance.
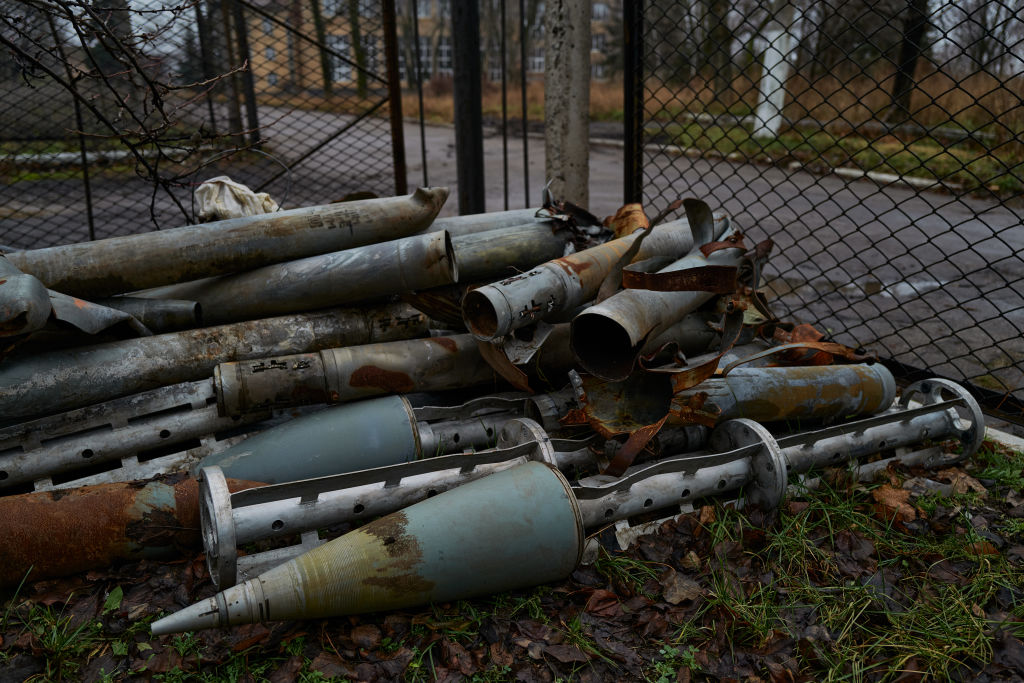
x,y
134,262
512,529
61,380
403,560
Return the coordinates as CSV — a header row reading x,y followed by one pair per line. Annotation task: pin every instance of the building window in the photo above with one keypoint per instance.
x,y
271,53
444,56
536,61
597,71
600,11
597,42
425,54
268,26
272,79
423,8
372,51
341,68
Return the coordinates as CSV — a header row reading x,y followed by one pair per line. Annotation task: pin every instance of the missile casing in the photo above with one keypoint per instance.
x,y
337,375
608,337
58,533
133,262
562,284
56,381
360,435
485,222
484,256
233,520
322,281
772,394
512,529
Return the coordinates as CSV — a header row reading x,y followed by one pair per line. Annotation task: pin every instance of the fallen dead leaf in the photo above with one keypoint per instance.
x,y
679,588
962,482
895,500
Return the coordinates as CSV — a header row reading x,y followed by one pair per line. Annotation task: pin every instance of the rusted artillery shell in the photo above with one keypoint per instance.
x,y
56,381
337,375
334,279
59,533
134,262
517,528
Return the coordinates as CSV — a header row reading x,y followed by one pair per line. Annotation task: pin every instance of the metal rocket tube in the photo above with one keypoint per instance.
x,y
56,381
134,262
321,281
67,532
337,375
512,529
562,284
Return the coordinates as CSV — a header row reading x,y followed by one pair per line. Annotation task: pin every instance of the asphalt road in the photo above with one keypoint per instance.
x,y
927,278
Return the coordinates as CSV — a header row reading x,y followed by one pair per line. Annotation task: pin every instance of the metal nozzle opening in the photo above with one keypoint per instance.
x,y
602,346
480,315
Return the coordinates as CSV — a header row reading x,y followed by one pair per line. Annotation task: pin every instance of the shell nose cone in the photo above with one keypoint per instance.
x,y
202,615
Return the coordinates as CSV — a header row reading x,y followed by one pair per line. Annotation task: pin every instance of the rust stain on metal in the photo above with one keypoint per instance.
x,y
573,266
403,551
717,279
734,241
447,343
380,378
627,220
696,410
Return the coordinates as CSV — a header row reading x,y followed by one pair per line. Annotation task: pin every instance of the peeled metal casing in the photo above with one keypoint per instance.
x,y
516,528
562,284
24,301
134,262
56,381
334,279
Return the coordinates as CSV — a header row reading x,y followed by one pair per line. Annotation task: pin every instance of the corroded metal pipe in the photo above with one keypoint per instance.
x,y
344,374
485,222
59,533
563,284
512,529
134,262
334,279
56,381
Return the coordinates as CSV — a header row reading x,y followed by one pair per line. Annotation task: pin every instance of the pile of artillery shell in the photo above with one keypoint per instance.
x,y
438,381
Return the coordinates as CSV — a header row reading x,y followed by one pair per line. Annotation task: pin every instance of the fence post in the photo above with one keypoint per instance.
x,y
633,101
469,143
248,84
390,27
567,99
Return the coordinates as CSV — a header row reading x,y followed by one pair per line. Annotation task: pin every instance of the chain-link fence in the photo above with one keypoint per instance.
x,y
111,112
879,144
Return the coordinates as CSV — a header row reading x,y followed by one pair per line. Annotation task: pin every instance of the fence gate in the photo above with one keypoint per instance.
x,y
881,147
110,117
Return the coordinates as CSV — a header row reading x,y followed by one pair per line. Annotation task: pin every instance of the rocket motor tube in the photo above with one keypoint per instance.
x,y
332,279
338,375
133,262
57,381
516,528
562,284
795,393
